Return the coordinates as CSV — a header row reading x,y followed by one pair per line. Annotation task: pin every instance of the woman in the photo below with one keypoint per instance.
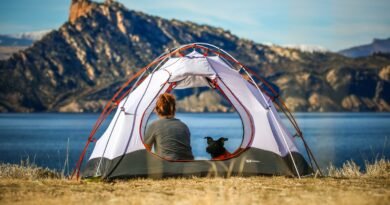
x,y
169,136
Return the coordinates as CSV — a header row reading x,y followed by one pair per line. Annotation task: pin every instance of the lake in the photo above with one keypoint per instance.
x,y
49,139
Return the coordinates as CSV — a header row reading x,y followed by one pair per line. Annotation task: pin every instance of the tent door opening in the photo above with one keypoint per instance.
x,y
240,132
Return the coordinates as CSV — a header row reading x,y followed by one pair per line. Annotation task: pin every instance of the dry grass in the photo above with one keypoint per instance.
x,y
379,169
13,171
354,187
28,171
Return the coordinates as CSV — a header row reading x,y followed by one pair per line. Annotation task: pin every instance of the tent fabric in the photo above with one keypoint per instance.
x,y
264,131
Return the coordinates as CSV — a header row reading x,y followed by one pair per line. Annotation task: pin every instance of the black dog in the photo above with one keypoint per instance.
x,y
216,148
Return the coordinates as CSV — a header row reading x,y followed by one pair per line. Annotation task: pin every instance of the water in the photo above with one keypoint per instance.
x,y
333,137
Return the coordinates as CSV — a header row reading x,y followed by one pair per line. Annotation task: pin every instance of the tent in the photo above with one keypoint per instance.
x,y
267,147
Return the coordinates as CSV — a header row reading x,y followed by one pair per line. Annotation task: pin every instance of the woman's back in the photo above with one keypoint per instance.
x,y
171,139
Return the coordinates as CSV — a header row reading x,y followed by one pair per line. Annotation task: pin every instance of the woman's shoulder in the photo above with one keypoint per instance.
x,y
179,123
160,122
165,121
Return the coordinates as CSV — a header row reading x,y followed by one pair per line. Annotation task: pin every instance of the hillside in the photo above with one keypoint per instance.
x,y
77,67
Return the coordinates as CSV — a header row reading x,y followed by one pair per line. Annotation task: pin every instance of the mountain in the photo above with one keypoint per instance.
x,y
6,40
79,66
377,46
22,39
33,35
12,43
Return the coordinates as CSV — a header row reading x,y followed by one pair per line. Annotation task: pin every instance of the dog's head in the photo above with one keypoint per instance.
x,y
215,147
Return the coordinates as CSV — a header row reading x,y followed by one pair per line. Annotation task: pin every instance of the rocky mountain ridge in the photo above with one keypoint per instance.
x,y
377,46
78,67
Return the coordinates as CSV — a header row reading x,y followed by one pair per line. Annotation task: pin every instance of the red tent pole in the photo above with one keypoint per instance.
x,y
109,107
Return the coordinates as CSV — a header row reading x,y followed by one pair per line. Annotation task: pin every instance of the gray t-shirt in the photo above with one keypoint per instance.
x,y
171,139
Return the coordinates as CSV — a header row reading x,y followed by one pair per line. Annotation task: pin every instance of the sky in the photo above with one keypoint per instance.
x,y
332,24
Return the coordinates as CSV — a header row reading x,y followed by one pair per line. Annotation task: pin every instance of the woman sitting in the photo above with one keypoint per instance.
x,y
169,136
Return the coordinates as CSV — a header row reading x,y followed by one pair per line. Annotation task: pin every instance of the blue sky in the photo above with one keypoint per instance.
x,y
333,24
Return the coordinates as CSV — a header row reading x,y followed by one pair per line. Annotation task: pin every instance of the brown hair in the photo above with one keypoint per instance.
x,y
166,105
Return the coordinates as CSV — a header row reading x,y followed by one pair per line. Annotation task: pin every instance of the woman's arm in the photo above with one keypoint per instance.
x,y
149,138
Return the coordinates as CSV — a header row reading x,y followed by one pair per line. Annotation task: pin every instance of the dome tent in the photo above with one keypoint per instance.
x,y
267,147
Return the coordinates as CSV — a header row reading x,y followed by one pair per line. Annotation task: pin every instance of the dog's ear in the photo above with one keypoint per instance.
x,y
222,140
209,139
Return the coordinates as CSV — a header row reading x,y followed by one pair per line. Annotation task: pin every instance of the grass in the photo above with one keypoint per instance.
x,y
20,184
379,169
13,171
27,171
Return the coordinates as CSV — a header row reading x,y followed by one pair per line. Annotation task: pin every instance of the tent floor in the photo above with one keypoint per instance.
x,y
142,163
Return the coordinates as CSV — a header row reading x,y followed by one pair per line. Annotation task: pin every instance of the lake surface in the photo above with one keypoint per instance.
x,y
49,139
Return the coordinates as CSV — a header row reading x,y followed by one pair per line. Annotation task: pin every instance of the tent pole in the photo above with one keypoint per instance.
x,y
308,155
97,173
312,156
124,91
308,150
245,69
288,147
268,105
132,130
116,120
108,106
258,89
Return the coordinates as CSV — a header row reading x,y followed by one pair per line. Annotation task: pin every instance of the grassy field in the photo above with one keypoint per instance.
x,y
347,185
